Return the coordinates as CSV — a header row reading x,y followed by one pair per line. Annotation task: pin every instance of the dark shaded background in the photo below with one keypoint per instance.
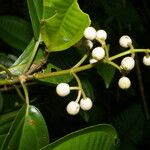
x,y
117,17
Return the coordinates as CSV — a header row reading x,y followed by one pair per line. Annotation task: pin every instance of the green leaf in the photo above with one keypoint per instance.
x,y
60,61
5,123
27,131
107,72
20,64
88,88
36,12
57,79
66,27
2,137
15,31
48,11
99,137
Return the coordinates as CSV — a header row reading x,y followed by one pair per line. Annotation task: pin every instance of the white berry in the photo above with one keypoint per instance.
x,y
128,63
73,108
98,53
146,60
124,83
88,44
90,33
63,89
125,41
92,61
101,34
86,103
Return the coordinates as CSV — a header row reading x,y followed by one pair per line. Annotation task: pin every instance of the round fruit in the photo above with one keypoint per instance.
x,y
73,108
101,34
146,60
90,33
125,41
63,89
124,83
128,63
88,44
98,53
86,103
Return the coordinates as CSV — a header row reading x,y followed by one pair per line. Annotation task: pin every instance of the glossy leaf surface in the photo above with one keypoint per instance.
x,y
66,27
20,64
99,137
36,11
28,130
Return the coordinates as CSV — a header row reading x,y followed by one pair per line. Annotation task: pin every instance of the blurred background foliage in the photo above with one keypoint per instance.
x,y
124,109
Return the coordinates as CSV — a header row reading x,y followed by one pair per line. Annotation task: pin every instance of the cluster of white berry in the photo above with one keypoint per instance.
x,y
73,108
128,62
98,53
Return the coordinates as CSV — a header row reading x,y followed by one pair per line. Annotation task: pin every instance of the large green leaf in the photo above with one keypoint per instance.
x,y
27,131
48,11
36,12
99,137
20,64
5,123
107,72
66,27
15,31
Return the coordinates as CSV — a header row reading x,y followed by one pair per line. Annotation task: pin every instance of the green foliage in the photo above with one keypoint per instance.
x,y
28,130
5,123
20,64
61,24
36,13
66,27
107,72
93,138
18,31
58,79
